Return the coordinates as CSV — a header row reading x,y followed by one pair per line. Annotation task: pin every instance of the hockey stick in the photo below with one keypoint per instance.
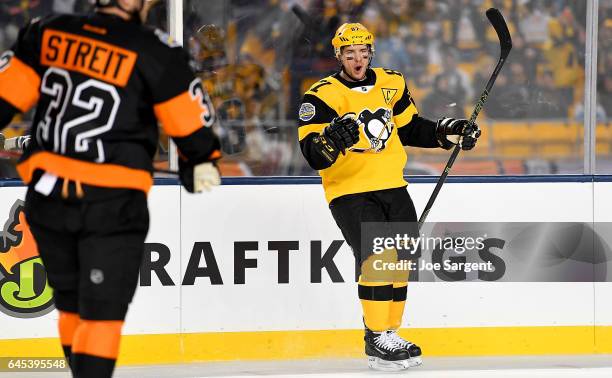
x,y
505,43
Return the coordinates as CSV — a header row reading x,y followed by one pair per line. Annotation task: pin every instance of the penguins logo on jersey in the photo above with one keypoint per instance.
x,y
377,127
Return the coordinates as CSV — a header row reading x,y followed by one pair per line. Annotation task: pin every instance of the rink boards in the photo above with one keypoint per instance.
x,y
237,274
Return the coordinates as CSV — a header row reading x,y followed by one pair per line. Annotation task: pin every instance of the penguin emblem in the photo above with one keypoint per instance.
x,y
377,127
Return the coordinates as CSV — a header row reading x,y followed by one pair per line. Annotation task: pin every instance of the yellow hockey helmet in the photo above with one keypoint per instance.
x,y
352,34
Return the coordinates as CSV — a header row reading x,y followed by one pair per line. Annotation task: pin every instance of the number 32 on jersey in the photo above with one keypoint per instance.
x,y
75,116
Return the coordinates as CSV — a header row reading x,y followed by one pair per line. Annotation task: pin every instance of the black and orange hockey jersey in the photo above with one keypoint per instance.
x,y
388,120
101,84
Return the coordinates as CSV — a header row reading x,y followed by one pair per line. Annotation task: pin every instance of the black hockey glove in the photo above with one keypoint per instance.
x,y
342,133
451,131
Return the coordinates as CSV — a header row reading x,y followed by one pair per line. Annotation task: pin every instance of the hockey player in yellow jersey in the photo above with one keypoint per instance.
x,y
353,127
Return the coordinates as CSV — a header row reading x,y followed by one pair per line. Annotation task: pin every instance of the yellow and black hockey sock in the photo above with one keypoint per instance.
x,y
67,325
400,289
96,347
376,299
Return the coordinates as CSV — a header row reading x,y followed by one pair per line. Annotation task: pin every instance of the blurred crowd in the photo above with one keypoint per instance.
x,y
268,52
258,57
446,49
15,13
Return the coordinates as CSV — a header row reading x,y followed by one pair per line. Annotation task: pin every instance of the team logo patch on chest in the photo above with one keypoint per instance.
x,y
377,127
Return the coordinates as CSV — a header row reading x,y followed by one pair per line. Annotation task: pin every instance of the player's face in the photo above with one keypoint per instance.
x,y
132,5
355,60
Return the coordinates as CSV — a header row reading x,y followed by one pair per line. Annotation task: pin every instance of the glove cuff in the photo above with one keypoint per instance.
x,y
441,132
326,147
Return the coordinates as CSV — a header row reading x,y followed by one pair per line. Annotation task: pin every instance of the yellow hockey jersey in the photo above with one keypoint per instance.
x,y
382,104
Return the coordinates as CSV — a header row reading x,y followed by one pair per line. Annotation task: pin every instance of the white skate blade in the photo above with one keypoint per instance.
x,y
415,361
376,363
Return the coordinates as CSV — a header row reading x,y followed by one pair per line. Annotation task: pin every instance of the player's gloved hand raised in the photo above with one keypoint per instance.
x,y
343,132
451,131
199,177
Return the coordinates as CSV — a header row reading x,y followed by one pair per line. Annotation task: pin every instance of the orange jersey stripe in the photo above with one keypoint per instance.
x,y
19,84
181,115
88,56
98,338
104,175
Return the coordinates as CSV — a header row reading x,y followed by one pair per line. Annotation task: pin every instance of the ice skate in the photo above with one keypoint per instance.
x,y
384,353
413,350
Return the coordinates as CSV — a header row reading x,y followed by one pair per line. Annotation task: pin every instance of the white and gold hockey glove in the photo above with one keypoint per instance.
x,y
199,177
16,144
205,176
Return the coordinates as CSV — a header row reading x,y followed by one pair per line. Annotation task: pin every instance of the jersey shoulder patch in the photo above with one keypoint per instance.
x,y
307,111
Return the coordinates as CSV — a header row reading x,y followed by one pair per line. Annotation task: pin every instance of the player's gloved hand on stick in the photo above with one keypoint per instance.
x,y
17,144
342,132
452,131
199,177
14,144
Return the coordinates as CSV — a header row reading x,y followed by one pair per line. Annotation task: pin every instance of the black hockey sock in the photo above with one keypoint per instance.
x,y
376,299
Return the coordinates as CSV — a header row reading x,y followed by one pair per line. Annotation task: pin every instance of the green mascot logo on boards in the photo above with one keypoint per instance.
x,y
24,290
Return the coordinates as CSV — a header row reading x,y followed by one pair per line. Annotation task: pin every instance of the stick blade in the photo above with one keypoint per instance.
x,y
501,28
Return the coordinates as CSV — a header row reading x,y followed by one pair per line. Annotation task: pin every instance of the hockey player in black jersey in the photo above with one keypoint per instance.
x,y
101,82
353,127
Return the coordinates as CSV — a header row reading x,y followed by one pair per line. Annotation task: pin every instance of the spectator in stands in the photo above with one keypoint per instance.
x,y
548,101
391,51
417,70
561,52
436,29
526,55
458,80
517,92
465,17
441,100
604,82
534,27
